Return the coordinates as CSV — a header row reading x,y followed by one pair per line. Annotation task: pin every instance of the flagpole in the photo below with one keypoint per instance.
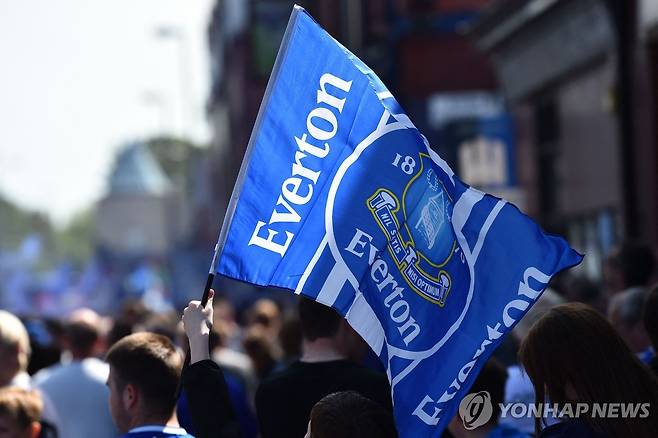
x,y
239,182
211,277
233,202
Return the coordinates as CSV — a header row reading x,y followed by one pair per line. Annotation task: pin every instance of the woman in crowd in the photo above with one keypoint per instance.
x,y
573,355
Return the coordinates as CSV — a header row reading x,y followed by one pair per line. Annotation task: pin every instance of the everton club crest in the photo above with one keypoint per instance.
x,y
417,226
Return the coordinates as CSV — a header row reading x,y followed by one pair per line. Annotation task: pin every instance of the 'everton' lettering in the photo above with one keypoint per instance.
x,y
399,310
297,190
526,291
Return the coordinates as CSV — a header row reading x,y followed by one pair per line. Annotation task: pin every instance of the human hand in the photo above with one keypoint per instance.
x,y
197,322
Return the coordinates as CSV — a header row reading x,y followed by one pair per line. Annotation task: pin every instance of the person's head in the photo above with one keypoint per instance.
x,y
265,311
260,349
14,347
573,354
223,311
82,333
629,265
625,314
20,413
266,314
164,324
584,290
144,375
317,320
321,324
81,339
119,330
348,414
290,337
224,322
132,311
650,316
492,379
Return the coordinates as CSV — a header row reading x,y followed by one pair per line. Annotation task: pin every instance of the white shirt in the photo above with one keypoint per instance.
x,y
79,393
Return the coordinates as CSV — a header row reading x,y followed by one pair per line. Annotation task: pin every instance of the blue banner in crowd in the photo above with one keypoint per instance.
x,y
341,199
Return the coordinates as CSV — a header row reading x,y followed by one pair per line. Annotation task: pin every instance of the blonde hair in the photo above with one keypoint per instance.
x,y
12,334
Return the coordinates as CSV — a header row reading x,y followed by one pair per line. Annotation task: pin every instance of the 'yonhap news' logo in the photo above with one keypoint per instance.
x,y
477,409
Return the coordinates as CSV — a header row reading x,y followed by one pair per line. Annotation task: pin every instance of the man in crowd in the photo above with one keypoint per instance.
x,y
77,389
145,371
284,401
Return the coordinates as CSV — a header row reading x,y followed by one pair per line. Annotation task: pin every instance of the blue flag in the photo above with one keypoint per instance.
x,y
341,199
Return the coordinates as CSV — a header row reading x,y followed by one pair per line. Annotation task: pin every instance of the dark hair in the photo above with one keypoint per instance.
x,y
264,312
260,350
21,406
317,320
650,316
81,337
162,324
348,414
290,337
119,330
573,345
151,363
636,263
492,378
582,289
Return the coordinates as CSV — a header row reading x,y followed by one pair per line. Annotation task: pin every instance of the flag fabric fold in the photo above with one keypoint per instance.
x,y
340,198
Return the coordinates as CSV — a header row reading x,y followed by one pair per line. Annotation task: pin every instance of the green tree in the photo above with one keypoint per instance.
x,y
72,243
16,223
174,156
75,242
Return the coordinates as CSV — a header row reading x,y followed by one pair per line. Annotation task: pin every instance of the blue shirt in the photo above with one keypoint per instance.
x,y
157,432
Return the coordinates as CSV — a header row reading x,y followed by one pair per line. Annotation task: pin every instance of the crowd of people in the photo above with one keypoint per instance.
x,y
302,371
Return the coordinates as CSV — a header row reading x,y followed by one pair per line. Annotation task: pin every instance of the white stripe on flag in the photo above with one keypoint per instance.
x,y
462,211
311,265
485,228
363,319
384,95
333,284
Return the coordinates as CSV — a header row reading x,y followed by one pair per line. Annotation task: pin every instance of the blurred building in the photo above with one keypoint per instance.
x,y
413,45
547,103
142,214
578,76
